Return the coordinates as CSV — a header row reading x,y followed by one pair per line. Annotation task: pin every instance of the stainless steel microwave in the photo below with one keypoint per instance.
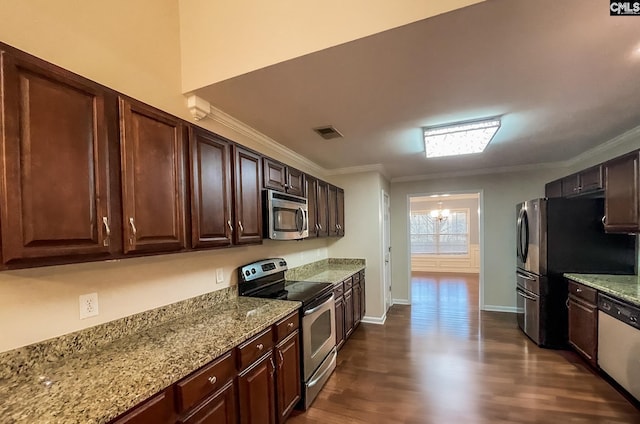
x,y
285,216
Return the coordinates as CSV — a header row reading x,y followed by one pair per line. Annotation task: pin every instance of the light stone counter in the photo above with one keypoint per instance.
x,y
624,287
96,385
327,271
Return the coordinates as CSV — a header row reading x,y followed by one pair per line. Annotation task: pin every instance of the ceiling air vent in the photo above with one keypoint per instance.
x,y
328,132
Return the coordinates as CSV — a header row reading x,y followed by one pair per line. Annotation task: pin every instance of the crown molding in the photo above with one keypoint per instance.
x,y
201,109
375,167
483,171
633,133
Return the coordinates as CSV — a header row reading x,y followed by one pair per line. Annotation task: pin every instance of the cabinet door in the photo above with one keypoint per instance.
x,y
363,296
55,186
256,390
295,182
157,410
289,386
571,185
348,313
357,298
339,322
340,211
332,206
210,189
153,183
220,408
247,197
583,328
591,179
323,209
553,189
275,175
312,205
621,194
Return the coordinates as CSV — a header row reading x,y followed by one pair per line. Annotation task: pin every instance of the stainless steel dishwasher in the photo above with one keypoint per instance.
x,y
619,342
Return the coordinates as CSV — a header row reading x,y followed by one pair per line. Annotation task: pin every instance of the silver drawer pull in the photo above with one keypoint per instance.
x,y
290,325
213,379
260,346
578,290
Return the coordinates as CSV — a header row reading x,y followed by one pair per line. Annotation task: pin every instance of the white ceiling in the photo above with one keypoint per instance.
x,y
564,75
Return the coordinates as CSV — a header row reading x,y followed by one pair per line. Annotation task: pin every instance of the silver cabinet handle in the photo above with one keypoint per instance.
x,y
230,226
320,227
107,230
317,227
604,220
290,325
281,358
273,366
567,303
578,290
212,379
240,226
133,226
260,346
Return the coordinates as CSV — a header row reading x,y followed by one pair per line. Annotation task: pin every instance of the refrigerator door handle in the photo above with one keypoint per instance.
x,y
526,277
524,249
523,294
519,235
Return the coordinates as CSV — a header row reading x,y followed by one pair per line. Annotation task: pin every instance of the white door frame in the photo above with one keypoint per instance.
x,y
386,250
480,194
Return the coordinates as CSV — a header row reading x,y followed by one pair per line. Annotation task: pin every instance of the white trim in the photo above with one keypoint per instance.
x,y
374,320
497,308
375,167
601,148
482,171
401,302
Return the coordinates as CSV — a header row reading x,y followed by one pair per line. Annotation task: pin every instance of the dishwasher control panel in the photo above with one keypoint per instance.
x,y
619,310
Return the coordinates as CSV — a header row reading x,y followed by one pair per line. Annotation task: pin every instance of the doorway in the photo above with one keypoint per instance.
x,y
386,249
445,238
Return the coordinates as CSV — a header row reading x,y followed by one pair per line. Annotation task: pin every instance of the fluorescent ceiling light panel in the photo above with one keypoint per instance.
x,y
461,138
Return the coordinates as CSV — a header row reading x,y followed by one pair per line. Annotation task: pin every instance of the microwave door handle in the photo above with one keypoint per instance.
x,y
300,224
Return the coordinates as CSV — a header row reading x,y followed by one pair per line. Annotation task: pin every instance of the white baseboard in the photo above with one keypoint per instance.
x,y
375,320
495,308
401,302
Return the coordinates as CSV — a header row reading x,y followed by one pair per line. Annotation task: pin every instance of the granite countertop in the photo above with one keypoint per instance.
x,y
331,271
624,287
97,385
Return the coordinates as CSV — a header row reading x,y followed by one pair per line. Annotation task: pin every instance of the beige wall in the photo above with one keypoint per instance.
x,y
363,233
226,38
134,48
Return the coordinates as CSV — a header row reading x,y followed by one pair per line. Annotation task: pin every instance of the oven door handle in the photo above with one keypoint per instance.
x,y
326,370
526,296
317,308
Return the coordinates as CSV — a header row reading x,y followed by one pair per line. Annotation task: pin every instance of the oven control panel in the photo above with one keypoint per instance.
x,y
261,269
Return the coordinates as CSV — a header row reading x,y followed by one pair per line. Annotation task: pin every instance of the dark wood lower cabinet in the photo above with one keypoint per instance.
x,y
256,390
348,313
158,410
288,382
339,321
220,408
357,300
583,328
363,296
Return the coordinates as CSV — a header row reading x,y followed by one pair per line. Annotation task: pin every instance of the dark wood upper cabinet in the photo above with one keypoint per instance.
x,y
153,178
591,179
211,220
275,174
247,196
332,206
621,194
571,185
278,176
55,193
312,205
553,189
581,183
322,208
340,212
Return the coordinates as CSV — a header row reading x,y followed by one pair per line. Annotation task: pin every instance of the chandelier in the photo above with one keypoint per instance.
x,y
439,214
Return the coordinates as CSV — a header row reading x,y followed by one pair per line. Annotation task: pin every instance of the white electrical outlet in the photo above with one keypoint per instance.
x,y
88,305
219,276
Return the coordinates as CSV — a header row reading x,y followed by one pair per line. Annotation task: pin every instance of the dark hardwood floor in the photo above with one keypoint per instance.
x,y
442,360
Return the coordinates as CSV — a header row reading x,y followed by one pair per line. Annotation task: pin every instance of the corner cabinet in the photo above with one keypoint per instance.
x,y
153,179
247,196
210,167
55,193
621,194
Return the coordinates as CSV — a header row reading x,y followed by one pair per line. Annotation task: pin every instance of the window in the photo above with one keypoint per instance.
x,y
447,236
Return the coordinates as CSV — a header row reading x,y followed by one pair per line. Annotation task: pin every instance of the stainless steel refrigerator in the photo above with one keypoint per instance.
x,y
554,236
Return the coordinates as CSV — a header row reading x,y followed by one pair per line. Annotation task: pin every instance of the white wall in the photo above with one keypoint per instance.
x,y
500,194
363,233
226,38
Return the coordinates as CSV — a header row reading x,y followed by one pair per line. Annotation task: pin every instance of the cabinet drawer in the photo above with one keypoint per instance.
x,y
205,381
338,290
348,283
287,326
583,292
254,348
356,277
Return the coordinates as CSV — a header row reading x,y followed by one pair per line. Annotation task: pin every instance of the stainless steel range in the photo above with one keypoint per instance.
x,y
266,279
